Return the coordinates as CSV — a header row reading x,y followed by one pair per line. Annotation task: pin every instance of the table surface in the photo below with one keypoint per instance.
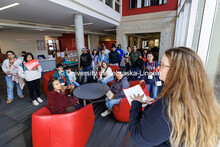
x,y
91,91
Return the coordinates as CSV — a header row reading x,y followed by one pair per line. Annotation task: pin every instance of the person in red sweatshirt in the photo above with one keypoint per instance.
x,y
57,102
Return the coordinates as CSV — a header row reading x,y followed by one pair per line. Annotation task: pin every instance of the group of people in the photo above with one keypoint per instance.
x,y
17,73
186,113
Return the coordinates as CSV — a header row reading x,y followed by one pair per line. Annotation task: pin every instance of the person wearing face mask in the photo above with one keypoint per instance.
x,y
151,75
10,68
186,114
32,78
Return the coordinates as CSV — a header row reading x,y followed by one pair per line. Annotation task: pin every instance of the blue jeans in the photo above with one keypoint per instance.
x,y
75,83
110,103
10,87
133,70
85,69
153,90
106,81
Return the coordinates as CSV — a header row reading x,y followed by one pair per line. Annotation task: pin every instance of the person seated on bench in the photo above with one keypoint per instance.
x,y
57,102
120,83
106,74
62,76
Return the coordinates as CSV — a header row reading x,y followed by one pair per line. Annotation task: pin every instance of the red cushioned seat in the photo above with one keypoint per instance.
x,y
121,110
114,69
46,78
62,130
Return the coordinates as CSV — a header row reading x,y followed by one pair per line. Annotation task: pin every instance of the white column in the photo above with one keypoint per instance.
x,y
192,22
206,29
113,4
79,34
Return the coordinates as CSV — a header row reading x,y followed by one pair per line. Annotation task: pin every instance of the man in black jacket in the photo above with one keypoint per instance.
x,y
113,57
85,65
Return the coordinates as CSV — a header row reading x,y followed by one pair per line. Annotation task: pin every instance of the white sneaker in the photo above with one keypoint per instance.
x,y
39,100
105,113
35,103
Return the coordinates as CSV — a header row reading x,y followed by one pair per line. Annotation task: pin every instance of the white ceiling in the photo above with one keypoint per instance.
x,y
46,12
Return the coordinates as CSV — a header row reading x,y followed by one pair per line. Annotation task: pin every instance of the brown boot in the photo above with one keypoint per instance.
x,y
21,96
9,101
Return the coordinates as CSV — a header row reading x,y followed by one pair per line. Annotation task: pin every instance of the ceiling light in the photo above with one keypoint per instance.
x,y
88,23
9,6
110,29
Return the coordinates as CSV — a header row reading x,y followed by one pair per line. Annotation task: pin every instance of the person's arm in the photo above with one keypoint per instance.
x,y
148,128
80,61
99,58
21,71
121,93
90,59
39,69
73,75
109,73
107,59
5,68
139,54
67,78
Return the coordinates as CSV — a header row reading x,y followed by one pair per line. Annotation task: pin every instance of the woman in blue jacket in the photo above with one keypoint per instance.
x,y
102,57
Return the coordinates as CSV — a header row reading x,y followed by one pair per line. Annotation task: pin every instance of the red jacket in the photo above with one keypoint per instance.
x,y
57,102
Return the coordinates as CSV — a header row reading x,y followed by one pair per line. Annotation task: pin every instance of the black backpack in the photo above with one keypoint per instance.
x,y
139,62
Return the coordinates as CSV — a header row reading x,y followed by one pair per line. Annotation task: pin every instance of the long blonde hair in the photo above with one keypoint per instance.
x,y
193,110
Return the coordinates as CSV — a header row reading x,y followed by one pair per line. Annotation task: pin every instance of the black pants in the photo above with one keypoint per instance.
x,y
119,63
35,84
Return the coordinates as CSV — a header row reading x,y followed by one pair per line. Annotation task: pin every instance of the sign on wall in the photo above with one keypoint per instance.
x,y
41,45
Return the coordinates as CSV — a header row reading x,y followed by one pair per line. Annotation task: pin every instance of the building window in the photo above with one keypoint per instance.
x,y
133,4
145,3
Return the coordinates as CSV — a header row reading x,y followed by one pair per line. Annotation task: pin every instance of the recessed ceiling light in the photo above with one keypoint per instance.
x,y
9,6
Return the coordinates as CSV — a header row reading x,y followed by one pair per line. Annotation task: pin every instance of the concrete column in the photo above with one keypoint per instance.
x,y
139,42
79,34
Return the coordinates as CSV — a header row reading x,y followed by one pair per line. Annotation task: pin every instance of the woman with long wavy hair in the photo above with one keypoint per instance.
x,y
186,113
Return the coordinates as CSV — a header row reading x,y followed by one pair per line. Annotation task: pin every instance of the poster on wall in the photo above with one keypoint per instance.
x,y
41,45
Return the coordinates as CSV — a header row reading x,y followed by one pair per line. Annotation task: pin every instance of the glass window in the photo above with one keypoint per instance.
x,y
213,62
133,4
198,23
109,3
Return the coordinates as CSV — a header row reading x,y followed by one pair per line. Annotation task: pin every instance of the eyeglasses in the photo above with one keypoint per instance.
x,y
161,65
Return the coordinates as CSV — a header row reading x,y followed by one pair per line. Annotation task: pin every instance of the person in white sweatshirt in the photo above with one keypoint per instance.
x,y
72,76
10,68
32,78
106,74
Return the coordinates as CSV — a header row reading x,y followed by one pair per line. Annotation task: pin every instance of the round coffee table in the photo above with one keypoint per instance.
x,y
90,91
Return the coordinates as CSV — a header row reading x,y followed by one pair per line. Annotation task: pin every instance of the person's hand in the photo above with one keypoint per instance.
x,y
151,73
138,98
35,68
71,81
129,63
8,72
149,99
141,81
100,80
80,69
